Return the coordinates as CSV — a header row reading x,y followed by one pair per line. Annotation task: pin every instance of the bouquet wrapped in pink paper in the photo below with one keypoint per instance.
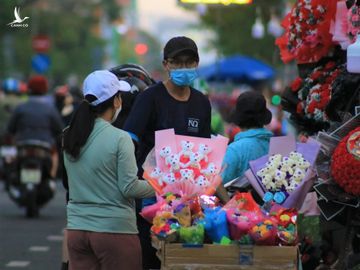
x,y
242,213
346,26
185,165
285,175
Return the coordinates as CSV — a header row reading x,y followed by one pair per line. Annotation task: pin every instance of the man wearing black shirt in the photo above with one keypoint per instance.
x,y
168,104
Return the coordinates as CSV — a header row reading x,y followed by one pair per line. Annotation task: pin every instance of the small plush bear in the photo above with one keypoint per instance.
x,y
202,181
157,174
187,175
203,151
169,178
186,148
194,161
210,170
173,161
165,151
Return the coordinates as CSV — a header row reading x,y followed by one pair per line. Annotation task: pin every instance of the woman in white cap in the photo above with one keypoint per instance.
x,y
101,169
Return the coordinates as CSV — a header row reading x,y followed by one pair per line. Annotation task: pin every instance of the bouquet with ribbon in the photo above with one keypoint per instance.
x,y
285,175
185,165
242,213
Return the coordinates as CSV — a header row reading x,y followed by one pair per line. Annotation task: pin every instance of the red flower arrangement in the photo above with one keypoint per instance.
x,y
314,92
353,22
345,163
307,38
295,85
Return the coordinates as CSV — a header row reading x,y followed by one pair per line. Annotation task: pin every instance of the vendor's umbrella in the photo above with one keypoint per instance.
x,y
237,68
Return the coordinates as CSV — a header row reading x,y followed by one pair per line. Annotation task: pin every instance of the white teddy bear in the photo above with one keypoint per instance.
x,y
202,181
187,175
165,151
157,174
203,151
169,178
210,170
174,162
194,161
186,148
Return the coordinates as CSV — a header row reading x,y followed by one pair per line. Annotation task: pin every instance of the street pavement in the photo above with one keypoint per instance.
x,y
31,244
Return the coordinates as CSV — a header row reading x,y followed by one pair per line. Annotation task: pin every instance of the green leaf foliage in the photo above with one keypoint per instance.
x,y
232,25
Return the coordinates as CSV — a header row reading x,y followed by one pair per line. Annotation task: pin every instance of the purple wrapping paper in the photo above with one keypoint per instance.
x,y
296,198
282,145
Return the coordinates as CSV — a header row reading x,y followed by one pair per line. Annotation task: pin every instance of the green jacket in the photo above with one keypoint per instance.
x,y
103,183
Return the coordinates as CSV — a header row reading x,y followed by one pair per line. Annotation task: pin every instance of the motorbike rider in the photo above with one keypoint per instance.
x,y
37,119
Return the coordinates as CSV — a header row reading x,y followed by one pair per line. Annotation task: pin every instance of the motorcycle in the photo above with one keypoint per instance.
x,y
27,174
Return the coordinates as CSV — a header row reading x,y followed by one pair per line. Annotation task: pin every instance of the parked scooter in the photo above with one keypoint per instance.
x,y
27,176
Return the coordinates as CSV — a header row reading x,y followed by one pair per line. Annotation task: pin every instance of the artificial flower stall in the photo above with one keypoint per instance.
x,y
322,38
191,229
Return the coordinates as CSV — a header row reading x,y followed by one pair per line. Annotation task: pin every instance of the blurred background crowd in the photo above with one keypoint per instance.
x,y
64,40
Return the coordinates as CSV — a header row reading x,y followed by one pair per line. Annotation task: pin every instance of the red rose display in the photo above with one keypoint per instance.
x,y
306,38
345,163
295,85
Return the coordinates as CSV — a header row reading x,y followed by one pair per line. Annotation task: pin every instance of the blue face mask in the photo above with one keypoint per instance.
x,y
183,76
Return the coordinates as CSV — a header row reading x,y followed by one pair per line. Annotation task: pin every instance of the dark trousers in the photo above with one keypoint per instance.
x,y
103,251
149,258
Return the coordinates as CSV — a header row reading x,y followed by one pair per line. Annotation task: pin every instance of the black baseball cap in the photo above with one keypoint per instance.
x,y
178,45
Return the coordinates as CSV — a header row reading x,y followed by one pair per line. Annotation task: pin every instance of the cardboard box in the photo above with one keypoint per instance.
x,y
230,257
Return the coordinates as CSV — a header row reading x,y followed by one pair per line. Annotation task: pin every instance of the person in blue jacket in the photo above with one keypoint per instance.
x,y
252,142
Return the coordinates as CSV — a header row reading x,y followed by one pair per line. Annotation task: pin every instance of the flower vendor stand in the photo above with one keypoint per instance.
x,y
176,256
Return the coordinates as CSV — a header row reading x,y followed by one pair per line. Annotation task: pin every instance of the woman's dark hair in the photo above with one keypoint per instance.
x,y
82,123
249,123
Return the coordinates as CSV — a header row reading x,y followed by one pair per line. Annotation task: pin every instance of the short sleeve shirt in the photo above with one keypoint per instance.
x,y
155,109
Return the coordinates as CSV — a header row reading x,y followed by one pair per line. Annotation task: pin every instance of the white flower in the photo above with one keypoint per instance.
x,y
303,164
266,178
321,9
283,172
291,187
295,155
261,172
279,175
270,186
287,169
280,183
275,158
298,174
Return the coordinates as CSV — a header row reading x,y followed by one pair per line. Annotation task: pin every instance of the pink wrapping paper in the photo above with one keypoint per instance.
x,y
167,139
309,151
339,28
